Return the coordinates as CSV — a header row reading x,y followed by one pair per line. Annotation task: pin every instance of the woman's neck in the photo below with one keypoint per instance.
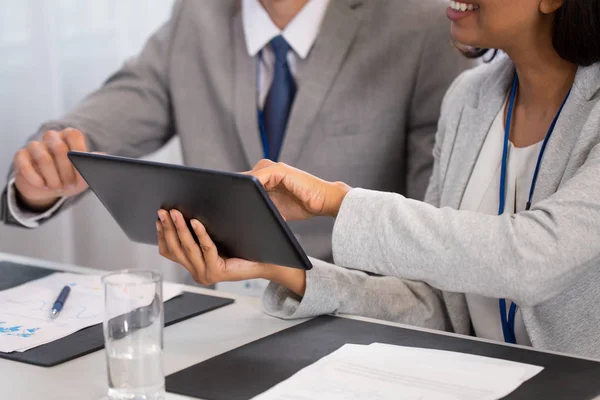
x,y
544,77
282,12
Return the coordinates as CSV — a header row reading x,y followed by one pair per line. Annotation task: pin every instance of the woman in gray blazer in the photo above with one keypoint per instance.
x,y
507,243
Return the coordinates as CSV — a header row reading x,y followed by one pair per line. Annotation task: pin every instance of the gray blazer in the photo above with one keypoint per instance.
x,y
365,113
547,259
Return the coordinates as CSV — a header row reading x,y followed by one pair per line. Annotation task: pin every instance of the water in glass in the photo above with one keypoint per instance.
x,y
133,327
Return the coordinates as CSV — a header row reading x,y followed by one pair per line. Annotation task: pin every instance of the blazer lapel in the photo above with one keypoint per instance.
x,y
475,122
566,132
245,102
338,30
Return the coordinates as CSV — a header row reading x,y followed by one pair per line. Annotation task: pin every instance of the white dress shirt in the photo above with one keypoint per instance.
x,y
482,195
29,219
300,34
259,29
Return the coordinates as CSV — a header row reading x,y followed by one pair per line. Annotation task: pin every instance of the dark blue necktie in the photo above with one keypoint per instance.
x,y
279,100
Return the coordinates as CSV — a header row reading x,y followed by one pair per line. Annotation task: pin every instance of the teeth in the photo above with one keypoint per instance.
x,y
458,6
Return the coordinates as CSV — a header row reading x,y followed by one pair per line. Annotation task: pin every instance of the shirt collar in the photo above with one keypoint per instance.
x,y
300,33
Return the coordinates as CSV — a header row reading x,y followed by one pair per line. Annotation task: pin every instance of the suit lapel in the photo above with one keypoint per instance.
x,y
474,125
245,104
338,30
566,132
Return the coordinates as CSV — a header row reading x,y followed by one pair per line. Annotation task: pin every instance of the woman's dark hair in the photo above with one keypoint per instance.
x,y
575,33
473,53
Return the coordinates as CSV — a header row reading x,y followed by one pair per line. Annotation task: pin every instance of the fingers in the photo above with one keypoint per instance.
x,y
74,139
163,248
189,247
165,251
58,148
271,175
216,268
44,164
23,164
172,242
76,142
176,242
262,164
209,249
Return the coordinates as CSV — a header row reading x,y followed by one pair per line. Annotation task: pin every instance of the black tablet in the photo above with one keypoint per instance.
x,y
235,209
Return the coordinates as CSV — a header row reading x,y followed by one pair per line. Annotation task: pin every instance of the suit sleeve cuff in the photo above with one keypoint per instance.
x,y
27,218
319,298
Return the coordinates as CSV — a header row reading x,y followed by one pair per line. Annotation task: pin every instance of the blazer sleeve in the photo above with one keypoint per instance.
x,y
529,257
130,115
331,290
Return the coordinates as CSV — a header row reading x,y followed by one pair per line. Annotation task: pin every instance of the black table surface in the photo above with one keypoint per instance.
x,y
254,368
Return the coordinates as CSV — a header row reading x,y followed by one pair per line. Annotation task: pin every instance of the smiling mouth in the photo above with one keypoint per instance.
x,y
463,7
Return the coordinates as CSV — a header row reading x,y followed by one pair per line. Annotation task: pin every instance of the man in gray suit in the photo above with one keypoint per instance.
x,y
345,89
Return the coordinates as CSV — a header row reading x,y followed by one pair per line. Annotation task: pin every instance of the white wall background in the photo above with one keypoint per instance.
x,y
52,53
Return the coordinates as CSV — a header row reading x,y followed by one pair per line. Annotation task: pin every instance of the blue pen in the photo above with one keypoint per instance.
x,y
60,301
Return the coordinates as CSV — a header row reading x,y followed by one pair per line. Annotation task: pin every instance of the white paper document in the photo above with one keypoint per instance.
x,y
382,372
25,310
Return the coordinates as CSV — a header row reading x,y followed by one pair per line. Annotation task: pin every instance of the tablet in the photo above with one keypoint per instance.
x,y
235,209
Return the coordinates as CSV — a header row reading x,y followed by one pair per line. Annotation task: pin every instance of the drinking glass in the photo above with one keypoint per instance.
x,y
133,335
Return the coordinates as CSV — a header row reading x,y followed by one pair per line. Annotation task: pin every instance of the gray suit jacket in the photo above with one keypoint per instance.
x,y
547,259
365,113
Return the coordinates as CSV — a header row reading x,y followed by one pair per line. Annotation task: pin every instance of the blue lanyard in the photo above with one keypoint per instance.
x,y
508,322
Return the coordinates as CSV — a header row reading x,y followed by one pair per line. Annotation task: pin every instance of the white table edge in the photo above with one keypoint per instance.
x,y
194,289
256,302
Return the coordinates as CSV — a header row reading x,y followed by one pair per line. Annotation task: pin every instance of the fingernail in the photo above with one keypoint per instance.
x,y
71,187
194,224
174,216
161,217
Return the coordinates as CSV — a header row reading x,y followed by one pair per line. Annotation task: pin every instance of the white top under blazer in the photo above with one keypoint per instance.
x,y
482,195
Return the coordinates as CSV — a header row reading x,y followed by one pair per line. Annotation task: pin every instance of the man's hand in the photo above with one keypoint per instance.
x,y
44,173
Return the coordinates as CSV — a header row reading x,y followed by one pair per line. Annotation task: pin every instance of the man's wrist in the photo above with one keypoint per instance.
x,y
37,206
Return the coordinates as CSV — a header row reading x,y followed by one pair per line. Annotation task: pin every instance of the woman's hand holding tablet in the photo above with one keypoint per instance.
x,y
175,242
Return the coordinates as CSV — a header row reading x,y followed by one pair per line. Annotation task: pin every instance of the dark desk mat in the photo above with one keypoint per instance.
x,y
254,368
91,339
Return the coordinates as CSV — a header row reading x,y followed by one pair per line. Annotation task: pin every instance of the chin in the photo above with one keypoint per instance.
x,y
463,40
